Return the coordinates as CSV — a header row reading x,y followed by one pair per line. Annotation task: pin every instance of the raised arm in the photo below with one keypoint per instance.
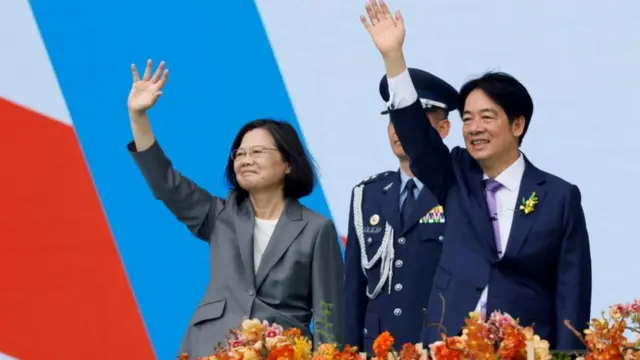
x,y
355,287
429,157
573,289
192,205
327,287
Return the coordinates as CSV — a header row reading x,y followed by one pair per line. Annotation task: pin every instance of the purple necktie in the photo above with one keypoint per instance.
x,y
491,186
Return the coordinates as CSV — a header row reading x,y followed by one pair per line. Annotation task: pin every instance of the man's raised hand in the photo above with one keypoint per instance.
x,y
386,29
144,93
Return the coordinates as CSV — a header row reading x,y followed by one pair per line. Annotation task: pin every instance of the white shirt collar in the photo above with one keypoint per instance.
x,y
511,177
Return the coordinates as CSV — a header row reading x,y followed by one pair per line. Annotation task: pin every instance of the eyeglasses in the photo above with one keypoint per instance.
x,y
254,152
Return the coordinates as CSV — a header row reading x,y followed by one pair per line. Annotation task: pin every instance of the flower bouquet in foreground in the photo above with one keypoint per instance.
x,y
605,339
256,340
498,337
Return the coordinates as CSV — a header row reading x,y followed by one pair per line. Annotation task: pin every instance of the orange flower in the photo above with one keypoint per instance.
x,y
409,352
449,349
514,344
382,345
479,339
285,352
292,333
349,353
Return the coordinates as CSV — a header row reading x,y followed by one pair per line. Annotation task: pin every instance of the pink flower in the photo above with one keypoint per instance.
x,y
619,311
274,330
235,343
501,320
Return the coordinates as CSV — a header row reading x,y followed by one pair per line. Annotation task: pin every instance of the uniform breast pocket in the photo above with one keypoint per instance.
x,y
432,232
372,244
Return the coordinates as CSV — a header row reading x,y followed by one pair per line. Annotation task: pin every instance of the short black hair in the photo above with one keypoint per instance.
x,y
505,91
300,180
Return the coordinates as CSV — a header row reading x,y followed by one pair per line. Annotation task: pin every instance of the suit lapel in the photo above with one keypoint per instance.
x,y
389,203
244,224
532,181
425,202
287,230
479,213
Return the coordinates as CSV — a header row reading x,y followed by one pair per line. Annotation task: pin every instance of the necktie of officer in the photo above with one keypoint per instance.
x,y
409,201
491,186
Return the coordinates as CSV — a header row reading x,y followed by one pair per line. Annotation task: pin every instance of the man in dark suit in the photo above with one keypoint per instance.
x,y
516,238
395,235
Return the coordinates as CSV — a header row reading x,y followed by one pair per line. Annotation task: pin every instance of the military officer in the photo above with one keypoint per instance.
x,y
395,235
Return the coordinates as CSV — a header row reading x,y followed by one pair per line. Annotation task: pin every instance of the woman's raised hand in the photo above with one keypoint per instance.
x,y
144,93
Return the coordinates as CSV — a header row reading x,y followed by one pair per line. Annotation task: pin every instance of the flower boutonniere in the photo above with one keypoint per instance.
x,y
529,205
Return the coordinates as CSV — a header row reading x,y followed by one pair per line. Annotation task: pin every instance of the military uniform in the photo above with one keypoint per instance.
x,y
391,254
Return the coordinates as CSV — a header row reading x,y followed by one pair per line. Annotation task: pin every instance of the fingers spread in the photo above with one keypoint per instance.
x,y
385,10
366,23
134,73
377,10
158,72
147,71
372,14
163,79
399,19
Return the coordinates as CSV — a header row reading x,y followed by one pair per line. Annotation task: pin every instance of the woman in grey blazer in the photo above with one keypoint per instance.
x,y
271,257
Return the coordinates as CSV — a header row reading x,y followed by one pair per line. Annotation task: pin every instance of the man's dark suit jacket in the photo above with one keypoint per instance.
x,y
544,276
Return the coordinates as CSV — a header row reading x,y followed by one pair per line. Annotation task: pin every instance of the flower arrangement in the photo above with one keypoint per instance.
x,y
500,337
605,339
256,340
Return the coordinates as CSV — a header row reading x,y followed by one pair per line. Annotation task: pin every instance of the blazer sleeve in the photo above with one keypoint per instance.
x,y
430,158
573,292
327,287
193,206
355,284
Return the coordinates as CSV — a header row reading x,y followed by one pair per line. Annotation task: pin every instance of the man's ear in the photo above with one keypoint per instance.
x,y
443,127
517,126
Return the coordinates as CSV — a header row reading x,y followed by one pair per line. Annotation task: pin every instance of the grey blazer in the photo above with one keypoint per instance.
x,y
300,274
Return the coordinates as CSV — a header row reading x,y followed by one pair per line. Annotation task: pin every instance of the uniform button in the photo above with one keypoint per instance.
x,y
401,241
398,287
441,237
251,292
399,263
369,241
364,332
397,312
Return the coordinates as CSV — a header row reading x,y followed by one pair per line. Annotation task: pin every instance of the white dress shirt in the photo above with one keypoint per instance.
x,y
402,93
262,232
506,201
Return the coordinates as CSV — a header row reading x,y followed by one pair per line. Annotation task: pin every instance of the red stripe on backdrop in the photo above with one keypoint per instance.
x,y
64,292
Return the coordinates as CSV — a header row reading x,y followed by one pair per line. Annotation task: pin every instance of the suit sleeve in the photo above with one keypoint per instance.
x,y
573,292
355,284
429,157
327,287
193,206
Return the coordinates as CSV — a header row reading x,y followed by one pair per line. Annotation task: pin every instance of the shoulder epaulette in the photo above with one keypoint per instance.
x,y
376,177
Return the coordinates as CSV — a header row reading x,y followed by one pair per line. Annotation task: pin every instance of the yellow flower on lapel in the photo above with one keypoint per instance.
x,y
529,205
